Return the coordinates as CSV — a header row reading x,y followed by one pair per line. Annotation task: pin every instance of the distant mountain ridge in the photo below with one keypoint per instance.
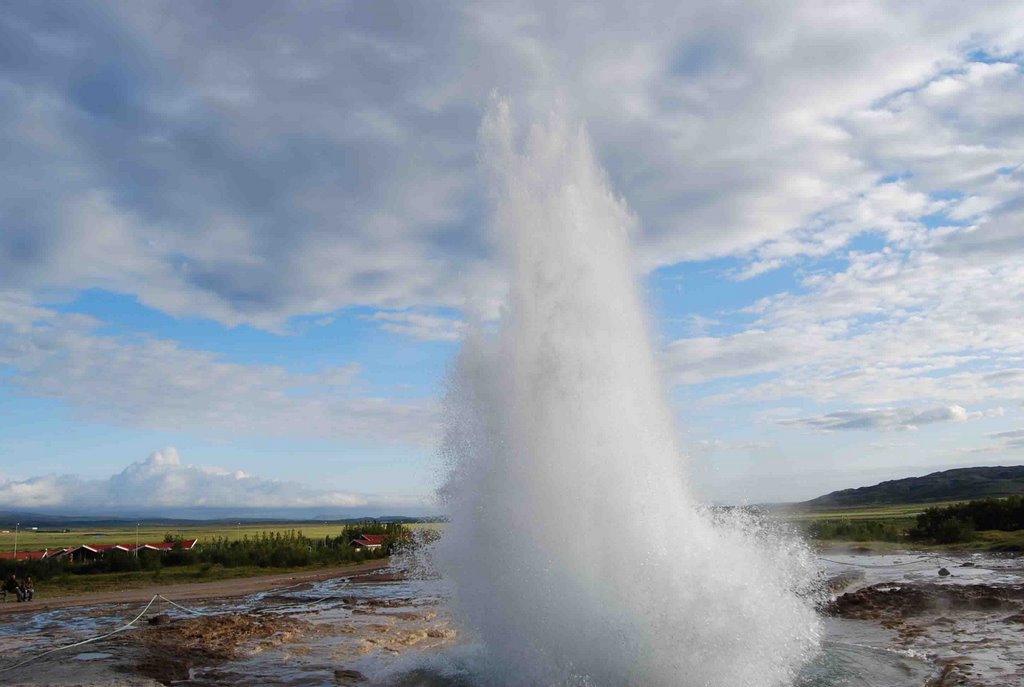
x,y
27,518
961,484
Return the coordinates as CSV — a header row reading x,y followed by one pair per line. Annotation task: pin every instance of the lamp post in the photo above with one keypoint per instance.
x,y
136,540
16,526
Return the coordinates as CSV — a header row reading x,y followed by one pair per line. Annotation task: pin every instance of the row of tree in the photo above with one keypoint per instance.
x,y
959,522
939,524
266,550
845,529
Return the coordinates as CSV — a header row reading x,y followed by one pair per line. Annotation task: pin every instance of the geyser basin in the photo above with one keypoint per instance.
x,y
578,552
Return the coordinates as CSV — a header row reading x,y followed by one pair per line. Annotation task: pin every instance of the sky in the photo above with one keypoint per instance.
x,y
240,242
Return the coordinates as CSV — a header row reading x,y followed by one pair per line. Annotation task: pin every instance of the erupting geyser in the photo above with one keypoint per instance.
x,y
579,554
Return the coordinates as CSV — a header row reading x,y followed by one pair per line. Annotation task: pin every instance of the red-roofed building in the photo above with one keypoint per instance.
x,y
93,551
186,544
84,552
370,542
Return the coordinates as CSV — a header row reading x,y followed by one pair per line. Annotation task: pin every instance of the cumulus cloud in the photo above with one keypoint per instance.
x,y
883,419
931,313
164,483
285,163
282,163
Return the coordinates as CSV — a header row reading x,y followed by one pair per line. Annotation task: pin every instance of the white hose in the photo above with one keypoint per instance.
x,y
85,641
176,605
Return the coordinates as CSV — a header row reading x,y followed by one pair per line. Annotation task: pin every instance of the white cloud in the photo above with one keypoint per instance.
x,y
419,325
279,164
164,483
719,445
930,313
890,328
1010,439
882,419
754,351
159,384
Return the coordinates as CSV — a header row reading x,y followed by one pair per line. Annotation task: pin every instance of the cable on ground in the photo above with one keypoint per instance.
x,y
187,610
83,642
919,559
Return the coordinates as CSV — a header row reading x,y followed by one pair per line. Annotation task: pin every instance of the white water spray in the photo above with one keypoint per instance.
x,y
579,554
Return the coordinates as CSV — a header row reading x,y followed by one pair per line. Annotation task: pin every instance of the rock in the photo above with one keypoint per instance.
x,y
345,676
944,573
840,582
161,619
889,602
968,564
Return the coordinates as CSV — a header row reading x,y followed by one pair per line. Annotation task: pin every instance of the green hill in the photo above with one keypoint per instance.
x,y
949,485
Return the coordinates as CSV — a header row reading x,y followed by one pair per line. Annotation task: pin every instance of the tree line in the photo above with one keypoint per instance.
x,y
854,530
960,521
289,549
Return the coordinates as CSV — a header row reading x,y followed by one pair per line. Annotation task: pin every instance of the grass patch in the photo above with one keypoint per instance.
x,y
908,511
886,528
73,585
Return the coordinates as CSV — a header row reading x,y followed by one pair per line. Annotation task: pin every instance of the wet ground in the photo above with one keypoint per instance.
x,y
963,614
327,633
893,621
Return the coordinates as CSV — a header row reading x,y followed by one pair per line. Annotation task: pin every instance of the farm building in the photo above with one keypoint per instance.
x,y
370,542
88,552
186,545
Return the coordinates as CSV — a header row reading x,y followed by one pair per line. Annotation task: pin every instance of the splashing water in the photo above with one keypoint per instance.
x,y
578,552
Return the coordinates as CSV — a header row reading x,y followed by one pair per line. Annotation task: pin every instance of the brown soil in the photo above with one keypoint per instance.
x,y
171,649
199,590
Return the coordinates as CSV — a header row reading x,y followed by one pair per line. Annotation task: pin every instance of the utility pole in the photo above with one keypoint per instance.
x,y
16,526
136,540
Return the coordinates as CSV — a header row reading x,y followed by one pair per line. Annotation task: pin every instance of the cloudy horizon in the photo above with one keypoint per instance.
x,y
258,233
162,485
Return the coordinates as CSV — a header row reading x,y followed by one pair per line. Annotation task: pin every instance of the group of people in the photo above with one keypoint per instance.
x,y
24,590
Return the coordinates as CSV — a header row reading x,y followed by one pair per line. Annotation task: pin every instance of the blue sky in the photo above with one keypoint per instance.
x,y
240,243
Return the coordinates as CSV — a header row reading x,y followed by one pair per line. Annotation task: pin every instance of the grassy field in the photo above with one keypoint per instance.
x,y
72,585
985,540
906,511
902,517
29,540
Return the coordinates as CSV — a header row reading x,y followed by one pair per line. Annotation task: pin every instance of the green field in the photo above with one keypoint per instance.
x,y
29,540
906,511
900,517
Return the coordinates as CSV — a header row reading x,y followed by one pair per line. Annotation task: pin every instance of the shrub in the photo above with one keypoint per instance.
x,y
953,530
958,522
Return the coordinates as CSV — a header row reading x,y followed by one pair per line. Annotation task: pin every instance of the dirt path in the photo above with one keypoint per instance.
x,y
193,590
